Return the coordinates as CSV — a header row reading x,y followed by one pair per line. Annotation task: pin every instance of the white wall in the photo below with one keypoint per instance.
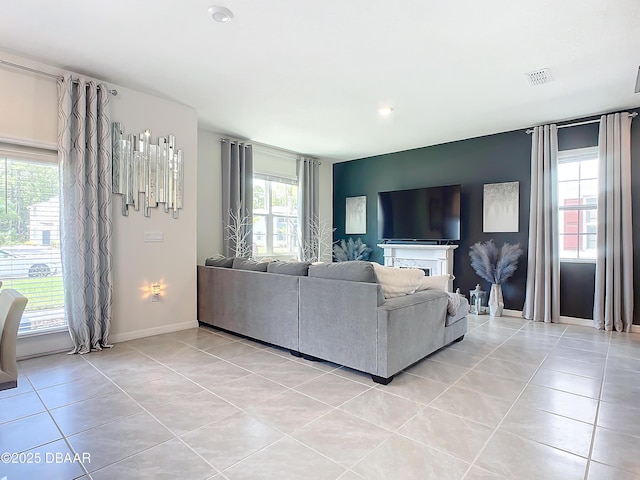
x,y
209,195
172,262
28,103
266,160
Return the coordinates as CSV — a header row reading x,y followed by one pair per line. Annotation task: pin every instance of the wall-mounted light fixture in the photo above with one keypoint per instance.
x,y
155,292
156,171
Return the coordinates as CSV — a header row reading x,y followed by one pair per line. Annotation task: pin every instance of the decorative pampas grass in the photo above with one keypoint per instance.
x,y
494,264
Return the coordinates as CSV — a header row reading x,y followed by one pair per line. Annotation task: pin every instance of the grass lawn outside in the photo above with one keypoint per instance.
x,y
42,292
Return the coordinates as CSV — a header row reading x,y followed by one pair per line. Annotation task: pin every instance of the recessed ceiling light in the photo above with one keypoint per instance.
x,y
385,110
221,14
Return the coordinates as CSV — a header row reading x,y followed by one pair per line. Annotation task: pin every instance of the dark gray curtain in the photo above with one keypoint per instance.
x,y
542,300
84,155
308,204
613,299
237,198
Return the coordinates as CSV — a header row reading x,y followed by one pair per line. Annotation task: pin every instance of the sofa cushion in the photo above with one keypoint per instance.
x,y
301,269
219,261
396,282
354,271
434,282
245,264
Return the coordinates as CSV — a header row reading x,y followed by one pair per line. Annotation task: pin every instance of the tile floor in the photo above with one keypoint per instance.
x,y
514,400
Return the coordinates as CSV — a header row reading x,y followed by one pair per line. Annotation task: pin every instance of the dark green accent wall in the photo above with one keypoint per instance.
x,y
504,157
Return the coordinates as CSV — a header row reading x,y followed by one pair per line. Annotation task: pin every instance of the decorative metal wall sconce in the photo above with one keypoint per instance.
x,y
153,170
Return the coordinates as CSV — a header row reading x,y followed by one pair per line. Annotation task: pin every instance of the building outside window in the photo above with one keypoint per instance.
x,y
275,216
30,234
578,204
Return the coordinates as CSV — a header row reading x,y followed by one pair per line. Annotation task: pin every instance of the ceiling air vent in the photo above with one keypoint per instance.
x,y
539,77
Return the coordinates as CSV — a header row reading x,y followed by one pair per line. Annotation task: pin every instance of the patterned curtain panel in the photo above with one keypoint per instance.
x,y
84,154
237,198
613,299
308,204
542,300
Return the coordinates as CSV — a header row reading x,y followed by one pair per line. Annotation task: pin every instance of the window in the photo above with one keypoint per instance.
x,y
30,234
578,203
275,216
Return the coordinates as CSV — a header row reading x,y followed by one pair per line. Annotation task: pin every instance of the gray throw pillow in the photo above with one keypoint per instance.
x,y
355,271
299,269
244,264
226,262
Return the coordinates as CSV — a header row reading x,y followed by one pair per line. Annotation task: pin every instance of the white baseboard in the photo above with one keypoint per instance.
x,y
511,313
583,322
149,332
29,346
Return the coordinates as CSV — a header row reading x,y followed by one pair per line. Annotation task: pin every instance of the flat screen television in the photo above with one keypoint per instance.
x,y
420,214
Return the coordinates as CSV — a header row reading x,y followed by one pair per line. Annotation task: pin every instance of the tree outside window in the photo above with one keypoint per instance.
x,y
275,216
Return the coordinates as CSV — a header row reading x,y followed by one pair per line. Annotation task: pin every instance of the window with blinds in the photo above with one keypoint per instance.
x,y
30,234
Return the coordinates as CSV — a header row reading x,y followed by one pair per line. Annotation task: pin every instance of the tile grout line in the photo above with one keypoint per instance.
x,y
595,419
247,412
486,443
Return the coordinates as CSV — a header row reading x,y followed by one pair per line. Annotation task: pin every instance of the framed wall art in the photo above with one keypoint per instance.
x,y
500,207
356,215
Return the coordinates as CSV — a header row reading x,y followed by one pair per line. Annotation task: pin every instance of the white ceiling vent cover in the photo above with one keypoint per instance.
x,y
539,77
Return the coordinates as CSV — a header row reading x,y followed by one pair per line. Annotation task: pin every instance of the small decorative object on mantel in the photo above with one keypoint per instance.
x,y
153,170
495,265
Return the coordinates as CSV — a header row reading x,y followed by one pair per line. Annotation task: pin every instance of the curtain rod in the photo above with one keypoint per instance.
x,y
575,124
269,149
113,91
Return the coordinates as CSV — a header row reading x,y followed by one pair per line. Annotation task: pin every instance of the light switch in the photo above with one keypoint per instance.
x,y
153,236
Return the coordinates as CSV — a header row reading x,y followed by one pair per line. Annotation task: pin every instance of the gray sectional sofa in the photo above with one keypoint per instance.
x,y
334,312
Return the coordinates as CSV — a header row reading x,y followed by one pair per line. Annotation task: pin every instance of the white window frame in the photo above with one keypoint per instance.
x,y
269,216
568,156
36,153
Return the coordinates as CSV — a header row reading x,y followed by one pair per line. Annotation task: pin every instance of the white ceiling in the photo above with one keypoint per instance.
x,y
309,75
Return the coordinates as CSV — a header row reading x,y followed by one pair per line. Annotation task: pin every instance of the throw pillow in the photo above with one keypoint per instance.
x,y
299,269
244,264
355,271
396,282
434,282
219,261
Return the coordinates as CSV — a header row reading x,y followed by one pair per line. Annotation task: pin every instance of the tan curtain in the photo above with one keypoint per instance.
x,y
542,300
613,300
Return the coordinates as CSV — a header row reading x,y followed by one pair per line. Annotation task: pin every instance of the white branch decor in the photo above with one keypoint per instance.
x,y
320,241
238,233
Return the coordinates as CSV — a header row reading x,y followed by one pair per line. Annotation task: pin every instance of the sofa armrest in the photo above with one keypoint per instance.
x,y
338,321
410,328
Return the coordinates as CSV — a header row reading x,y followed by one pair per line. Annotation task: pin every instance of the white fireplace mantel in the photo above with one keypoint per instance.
x,y
434,259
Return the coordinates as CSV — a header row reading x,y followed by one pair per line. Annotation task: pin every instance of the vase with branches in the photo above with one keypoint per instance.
x,y
495,265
